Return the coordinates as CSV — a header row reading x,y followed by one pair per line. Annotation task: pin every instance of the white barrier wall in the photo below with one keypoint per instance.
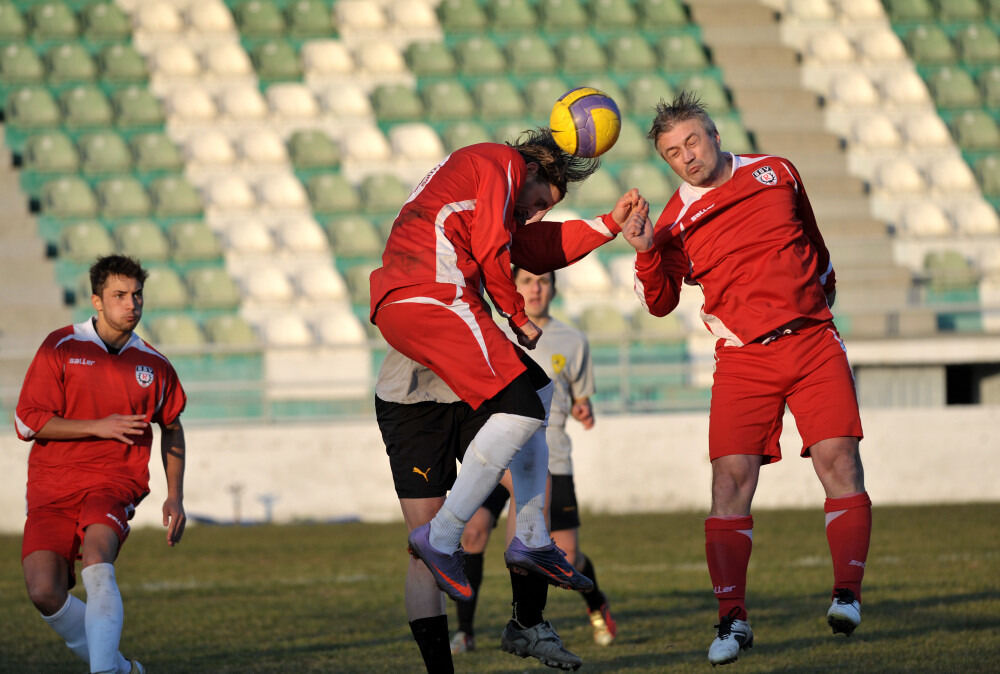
x,y
624,464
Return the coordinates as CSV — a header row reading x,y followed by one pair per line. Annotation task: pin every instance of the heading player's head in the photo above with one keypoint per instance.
x,y
116,283
687,139
550,170
537,291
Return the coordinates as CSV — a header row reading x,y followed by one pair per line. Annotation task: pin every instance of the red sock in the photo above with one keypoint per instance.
x,y
849,530
728,541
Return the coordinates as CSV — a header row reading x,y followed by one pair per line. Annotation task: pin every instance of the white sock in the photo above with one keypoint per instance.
x,y
487,456
104,618
529,471
68,622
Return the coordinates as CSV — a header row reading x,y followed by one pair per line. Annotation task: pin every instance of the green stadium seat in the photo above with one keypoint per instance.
x,y
70,62
461,134
276,60
85,105
332,193
681,52
540,94
658,328
950,270
50,152
959,10
153,151
989,84
632,144
143,240
609,85
192,241
396,102
174,196
988,174
68,197
135,106
711,92
429,59
212,288
905,11
993,10
13,27
357,278
19,64
631,53
308,18
230,330
480,56
383,192
103,152
105,22
84,241
645,92
734,135
953,87
122,63
448,99
604,324
652,183
977,43
259,18
511,131
661,14
176,330
164,290
563,15
976,130
929,45
354,236
581,53
600,191
512,15
612,14
498,98
32,107
52,21
122,197
530,54
310,149
461,16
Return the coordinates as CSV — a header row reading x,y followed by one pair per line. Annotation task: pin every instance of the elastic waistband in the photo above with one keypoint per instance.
x,y
787,329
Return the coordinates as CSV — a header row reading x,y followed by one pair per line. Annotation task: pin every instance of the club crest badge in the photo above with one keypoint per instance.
x,y
765,175
144,375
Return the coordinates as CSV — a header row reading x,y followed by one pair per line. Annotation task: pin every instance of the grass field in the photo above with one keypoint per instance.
x,y
328,598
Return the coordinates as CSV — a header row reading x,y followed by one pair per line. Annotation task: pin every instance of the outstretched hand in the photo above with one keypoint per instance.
x,y
623,208
120,427
527,334
638,229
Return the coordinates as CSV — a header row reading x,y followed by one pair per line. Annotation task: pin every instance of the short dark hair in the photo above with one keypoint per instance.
x,y
555,165
115,265
516,269
686,105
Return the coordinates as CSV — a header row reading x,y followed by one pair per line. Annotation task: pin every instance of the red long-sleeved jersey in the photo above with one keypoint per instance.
x,y
753,246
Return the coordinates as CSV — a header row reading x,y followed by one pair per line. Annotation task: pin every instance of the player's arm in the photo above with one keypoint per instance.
x,y
581,388
172,450
660,267
113,427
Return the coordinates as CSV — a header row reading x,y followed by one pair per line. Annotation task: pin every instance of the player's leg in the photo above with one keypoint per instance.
x,y
105,613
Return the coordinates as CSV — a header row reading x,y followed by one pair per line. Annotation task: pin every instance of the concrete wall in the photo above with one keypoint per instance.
x,y
625,464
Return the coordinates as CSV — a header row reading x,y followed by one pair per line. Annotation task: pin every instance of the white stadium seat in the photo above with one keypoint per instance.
x,y
347,101
191,104
861,10
900,176
210,147
881,45
210,16
341,327
249,236
230,193
810,10
854,89
326,58
413,15
830,46
904,87
263,146
227,59
926,129
416,141
380,57
292,100
367,143
925,219
322,283
359,15
176,60
283,190
876,132
243,102
157,17
301,234
976,218
951,175
268,285
287,330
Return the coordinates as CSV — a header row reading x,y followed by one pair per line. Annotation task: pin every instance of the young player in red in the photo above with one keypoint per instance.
x,y
742,228
88,400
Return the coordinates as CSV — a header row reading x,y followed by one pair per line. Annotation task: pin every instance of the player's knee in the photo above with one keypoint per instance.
x,y
47,595
474,539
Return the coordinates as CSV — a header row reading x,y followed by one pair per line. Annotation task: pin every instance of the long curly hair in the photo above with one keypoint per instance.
x,y
555,165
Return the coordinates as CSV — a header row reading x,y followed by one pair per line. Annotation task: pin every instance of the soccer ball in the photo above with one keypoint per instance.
x,y
585,122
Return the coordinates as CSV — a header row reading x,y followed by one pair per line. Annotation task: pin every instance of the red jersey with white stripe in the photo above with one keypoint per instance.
x,y
73,376
455,233
753,246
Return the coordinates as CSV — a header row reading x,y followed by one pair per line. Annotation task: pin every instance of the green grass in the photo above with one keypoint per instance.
x,y
328,598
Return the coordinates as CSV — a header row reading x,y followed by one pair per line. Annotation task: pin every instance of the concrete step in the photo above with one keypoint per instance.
x,y
732,14
763,55
797,143
840,208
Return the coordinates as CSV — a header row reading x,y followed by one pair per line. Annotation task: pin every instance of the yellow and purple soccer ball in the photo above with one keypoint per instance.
x,y
585,122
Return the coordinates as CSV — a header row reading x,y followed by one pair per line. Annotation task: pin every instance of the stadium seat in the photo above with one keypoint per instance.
x,y
540,93
959,10
243,102
563,15
977,43
230,192
164,290
154,151
609,85
480,56
122,63
360,16
949,269
121,197
157,18
853,89
662,13
460,16
289,330
511,15
31,107
416,141
511,131
976,130
612,14
976,218
332,193
711,92
212,288
653,184
282,191
268,285
68,197
925,219
461,134
176,60
193,104
230,330
604,324
631,54
276,60
953,87
13,27
292,100
383,192
211,17
648,327
357,282
192,241
681,52
259,18
326,58
367,144
311,149
380,58
308,18
136,107
340,328
880,45
211,147
632,144
143,240
53,21
263,147
104,152
989,82
952,176
926,130
734,135
50,152
810,10
645,92
900,176
904,88
176,330
498,98
396,102
581,53
446,100
876,131
599,192
430,58
904,11
929,45
322,283
988,174
19,64
174,196
354,236
227,60
85,105
531,54
84,241
301,234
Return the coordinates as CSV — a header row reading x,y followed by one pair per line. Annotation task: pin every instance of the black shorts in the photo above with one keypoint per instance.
x,y
563,511
496,502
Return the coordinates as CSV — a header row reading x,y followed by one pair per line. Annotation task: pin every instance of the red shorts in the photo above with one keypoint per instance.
x,y
456,339
60,526
807,370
